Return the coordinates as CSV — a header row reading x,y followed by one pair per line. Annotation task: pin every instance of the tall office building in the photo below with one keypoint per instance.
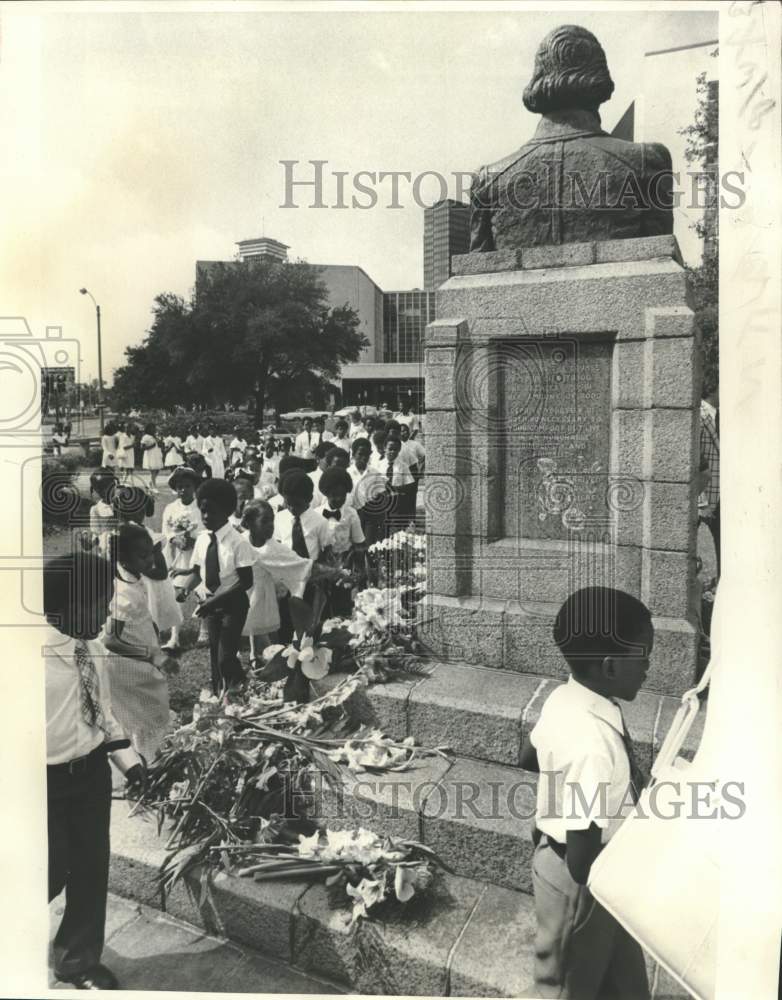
x,y
446,232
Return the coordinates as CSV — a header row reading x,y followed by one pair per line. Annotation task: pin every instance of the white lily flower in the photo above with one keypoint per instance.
x,y
271,651
309,847
404,884
366,895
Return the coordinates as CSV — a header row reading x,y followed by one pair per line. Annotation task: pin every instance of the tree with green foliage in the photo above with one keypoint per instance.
x,y
702,151
254,329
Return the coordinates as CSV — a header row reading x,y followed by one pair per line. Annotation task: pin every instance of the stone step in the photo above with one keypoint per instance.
x,y
467,937
477,816
487,714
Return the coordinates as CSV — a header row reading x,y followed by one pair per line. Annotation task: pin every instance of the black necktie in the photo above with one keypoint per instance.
x,y
390,473
637,776
212,565
336,514
298,543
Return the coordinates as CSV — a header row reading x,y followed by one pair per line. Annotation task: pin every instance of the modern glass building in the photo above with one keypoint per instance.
x,y
405,316
446,232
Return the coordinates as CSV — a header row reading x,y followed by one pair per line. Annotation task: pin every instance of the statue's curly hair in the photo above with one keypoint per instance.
x,y
570,72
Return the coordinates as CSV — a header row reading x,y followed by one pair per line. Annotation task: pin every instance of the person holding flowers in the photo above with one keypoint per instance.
x,y
181,524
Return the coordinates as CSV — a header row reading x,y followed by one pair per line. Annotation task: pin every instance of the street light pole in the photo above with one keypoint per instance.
x,y
84,291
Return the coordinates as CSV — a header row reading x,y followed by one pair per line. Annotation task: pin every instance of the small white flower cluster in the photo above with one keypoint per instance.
x,y
362,847
374,750
399,541
359,846
315,660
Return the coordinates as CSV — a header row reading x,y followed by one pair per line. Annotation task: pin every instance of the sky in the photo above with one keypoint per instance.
x,y
147,140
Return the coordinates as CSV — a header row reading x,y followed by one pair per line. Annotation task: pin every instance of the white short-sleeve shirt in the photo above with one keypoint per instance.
x,y
313,526
402,476
584,767
234,552
413,452
344,533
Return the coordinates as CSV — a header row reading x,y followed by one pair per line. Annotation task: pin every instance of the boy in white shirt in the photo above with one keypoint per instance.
x,y
345,536
357,427
319,426
588,782
400,483
321,452
306,440
221,569
342,439
299,526
81,731
405,416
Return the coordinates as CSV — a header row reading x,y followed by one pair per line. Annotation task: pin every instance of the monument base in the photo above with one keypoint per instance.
x,y
562,426
509,635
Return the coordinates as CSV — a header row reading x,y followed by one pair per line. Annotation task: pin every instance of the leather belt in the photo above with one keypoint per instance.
x,y
79,765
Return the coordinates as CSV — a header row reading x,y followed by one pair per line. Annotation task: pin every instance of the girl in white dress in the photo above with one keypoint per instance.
x,y
124,452
153,456
108,444
181,524
277,570
137,668
102,520
133,505
175,451
237,448
194,441
215,453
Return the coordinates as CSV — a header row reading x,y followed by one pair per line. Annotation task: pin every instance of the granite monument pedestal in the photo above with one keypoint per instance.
x,y
562,399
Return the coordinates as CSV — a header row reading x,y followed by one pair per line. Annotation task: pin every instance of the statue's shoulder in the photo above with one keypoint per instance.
x,y
485,174
650,156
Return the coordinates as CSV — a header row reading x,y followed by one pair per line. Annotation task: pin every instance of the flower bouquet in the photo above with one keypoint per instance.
x,y
234,790
184,529
359,867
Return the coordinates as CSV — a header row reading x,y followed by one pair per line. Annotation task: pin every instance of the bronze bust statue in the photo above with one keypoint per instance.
x,y
572,182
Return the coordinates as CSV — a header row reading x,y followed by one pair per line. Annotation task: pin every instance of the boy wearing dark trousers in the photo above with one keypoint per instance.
x,y
588,783
222,570
81,732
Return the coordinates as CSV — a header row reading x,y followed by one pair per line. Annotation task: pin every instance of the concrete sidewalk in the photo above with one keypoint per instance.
x,y
147,950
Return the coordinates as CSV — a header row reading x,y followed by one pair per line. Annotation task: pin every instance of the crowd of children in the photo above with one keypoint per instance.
x,y
250,531
251,549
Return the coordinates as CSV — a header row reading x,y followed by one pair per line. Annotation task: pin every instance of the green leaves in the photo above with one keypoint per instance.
x,y
253,329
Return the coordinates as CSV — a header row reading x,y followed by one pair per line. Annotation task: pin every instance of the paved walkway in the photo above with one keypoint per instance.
x,y
147,950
